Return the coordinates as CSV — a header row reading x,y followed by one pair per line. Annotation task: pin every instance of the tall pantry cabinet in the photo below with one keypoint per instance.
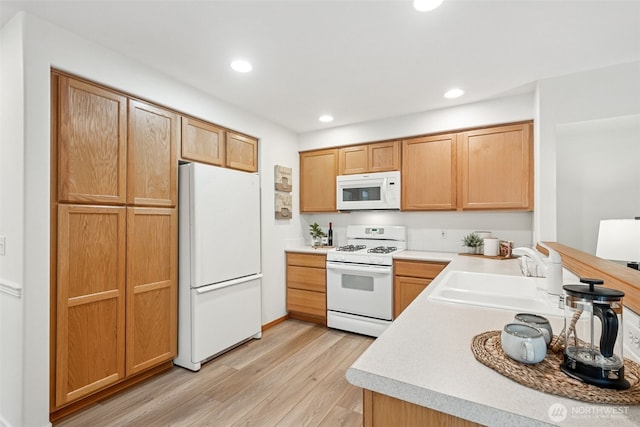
x,y
114,238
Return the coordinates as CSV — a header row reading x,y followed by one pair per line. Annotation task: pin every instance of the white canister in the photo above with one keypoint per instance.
x,y
491,246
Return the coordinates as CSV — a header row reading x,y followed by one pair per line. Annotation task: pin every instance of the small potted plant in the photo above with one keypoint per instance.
x,y
316,234
472,241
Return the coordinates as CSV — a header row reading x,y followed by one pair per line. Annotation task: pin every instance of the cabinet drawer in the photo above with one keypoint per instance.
x,y
307,260
428,270
314,303
311,279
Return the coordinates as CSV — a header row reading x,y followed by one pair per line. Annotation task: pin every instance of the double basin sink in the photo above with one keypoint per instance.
x,y
518,293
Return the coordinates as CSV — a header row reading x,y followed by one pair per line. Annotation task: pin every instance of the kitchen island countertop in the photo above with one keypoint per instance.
x,y
425,358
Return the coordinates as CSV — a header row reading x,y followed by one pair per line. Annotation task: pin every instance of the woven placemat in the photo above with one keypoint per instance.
x,y
547,377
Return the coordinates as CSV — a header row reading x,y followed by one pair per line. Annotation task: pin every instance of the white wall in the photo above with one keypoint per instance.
x,y
598,177
11,226
424,228
580,97
25,392
496,111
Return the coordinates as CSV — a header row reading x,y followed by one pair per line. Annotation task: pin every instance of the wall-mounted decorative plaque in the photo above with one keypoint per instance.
x,y
282,194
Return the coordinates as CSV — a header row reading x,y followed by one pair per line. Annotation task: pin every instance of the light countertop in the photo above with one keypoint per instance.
x,y
309,249
425,358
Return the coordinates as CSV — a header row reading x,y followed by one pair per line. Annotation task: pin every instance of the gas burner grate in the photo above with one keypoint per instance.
x,y
382,249
350,248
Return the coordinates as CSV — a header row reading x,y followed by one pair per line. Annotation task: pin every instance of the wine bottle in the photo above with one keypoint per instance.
x,y
330,236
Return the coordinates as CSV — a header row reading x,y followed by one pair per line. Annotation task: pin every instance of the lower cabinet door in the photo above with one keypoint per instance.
x,y
90,302
405,290
151,287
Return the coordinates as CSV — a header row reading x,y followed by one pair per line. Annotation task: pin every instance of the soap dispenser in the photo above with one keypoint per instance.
x,y
553,271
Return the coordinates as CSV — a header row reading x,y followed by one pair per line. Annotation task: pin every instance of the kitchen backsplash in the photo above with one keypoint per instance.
x,y
425,229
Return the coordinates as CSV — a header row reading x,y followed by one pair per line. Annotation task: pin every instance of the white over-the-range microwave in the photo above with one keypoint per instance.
x,y
368,191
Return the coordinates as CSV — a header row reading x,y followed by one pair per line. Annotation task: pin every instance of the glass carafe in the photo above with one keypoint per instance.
x,y
593,335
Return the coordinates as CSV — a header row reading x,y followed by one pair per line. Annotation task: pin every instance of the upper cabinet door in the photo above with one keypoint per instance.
x,y
92,141
384,156
365,158
242,152
496,168
352,160
202,142
318,170
152,173
429,173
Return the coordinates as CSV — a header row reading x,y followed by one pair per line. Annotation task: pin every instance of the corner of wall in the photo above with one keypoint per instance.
x,y
11,147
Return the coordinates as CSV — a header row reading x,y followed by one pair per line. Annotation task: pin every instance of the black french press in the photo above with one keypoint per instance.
x,y
593,349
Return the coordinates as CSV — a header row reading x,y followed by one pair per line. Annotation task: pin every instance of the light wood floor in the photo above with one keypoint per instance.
x,y
293,376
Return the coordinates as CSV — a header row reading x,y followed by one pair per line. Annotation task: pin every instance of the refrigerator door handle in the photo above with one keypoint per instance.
x,y
216,286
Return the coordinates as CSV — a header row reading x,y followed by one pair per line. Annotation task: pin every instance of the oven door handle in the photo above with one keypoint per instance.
x,y
371,269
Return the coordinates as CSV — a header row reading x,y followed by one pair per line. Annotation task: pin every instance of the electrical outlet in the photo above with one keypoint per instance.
x,y
3,244
443,234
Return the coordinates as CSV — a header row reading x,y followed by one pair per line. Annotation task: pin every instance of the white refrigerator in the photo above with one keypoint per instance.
x,y
219,276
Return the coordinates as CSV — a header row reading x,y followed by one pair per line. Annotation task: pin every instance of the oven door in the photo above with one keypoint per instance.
x,y
365,290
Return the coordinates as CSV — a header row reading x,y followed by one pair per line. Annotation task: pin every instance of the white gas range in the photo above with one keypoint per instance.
x,y
360,279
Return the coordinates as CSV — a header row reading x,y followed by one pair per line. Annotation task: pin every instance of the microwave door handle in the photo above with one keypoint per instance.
x,y
383,196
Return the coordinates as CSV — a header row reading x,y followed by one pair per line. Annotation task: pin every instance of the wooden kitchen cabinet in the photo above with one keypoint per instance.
x,y
496,168
429,173
152,287
90,300
409,279
202,142
152,162
352,160
380,410
241,152
113,241
91,143
318,171
306,287
479,169
384,156
365,158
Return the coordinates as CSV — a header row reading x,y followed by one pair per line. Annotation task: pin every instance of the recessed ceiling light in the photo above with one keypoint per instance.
x,y
426,5
454,93
325,118
241,66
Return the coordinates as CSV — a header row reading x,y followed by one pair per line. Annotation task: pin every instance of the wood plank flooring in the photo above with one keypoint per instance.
x,y
293,376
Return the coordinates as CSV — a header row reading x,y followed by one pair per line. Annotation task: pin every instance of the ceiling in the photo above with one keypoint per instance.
x,y
357,60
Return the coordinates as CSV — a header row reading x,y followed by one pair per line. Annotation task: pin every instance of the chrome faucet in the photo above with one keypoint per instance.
x,y
533,264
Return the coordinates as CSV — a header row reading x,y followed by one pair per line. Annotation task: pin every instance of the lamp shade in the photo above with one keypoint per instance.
x,y
619,240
